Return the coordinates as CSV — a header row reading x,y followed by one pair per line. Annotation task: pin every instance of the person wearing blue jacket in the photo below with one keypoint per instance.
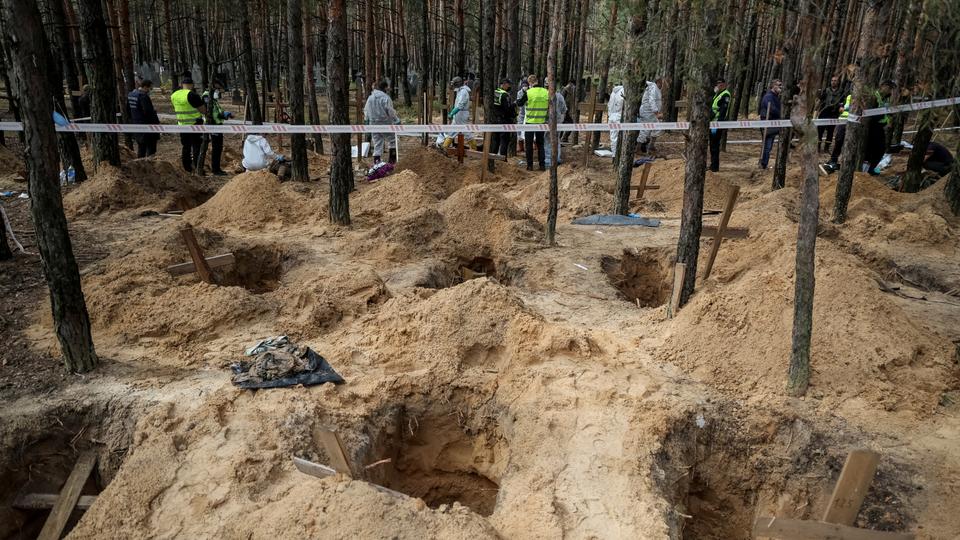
x,y
770,110
142,112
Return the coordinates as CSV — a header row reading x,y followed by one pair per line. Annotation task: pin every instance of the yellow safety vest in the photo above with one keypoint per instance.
x,y
716,103
216,111
846,108
538,99
187,115
882,103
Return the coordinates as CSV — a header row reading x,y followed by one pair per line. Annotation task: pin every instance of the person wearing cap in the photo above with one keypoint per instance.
x,y
537,100
189,108
877,127
212,101
460,114
143,113
379,110
651,106
504,112
719,107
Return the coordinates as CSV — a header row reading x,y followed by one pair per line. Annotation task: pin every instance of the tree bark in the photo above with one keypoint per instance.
x,y
512,8
790,51
338,92
114,27
249,71
174,66
298,141
853,143
61,37
554,138
99,65
704,65
914,173
490,64
309,60
126,47
952,190
633,89
67,142
5,253
605,70
32,88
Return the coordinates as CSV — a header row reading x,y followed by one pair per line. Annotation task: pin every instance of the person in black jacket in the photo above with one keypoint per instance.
x,y
719,107
142,112
504,112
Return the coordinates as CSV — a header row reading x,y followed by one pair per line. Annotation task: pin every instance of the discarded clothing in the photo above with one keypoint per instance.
x,y
642,161
379,170
617,220
279,363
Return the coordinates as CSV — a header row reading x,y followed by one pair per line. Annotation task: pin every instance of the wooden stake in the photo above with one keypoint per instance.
x,y
69,495
679,273
199,261
460,148
46,501
215,261
333,445
795,529
852,486
724,219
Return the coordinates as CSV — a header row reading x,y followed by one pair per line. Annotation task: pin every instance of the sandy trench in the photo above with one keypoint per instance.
x,y
550,398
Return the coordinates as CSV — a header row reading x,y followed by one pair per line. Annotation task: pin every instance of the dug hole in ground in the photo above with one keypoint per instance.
x,y
518,390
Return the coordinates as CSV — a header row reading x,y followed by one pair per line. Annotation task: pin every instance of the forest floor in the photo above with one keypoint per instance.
x,y
549,397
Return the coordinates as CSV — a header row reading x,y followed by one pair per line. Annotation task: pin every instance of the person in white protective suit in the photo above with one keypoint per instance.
x,y
379,111
651,107
460,114
258,155
615,113
521,113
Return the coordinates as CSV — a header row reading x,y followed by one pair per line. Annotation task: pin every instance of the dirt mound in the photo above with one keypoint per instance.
x,y
579,195
144,184
442,172
259,201
400,193
668,174
737,334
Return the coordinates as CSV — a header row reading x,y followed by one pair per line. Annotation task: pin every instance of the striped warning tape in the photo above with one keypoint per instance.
x,y
240,128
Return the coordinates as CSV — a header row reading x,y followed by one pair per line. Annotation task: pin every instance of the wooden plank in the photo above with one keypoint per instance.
x,y
718,237
795,529
642,186
729,232
212,262
852,486
313,469
46,501
199,262
461,150
679,274
69,495
334,447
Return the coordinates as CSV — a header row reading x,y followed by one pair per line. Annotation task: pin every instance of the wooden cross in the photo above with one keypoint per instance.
x,y
69,496
642,186
199,261
722,231
841,513
333,445
484,163
679,274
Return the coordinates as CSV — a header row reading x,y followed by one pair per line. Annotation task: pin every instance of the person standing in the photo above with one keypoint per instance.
x,y
720,108
522,112
536,100
143,113
831,103
460,114
561,106
569,95
770,110
379,111
833,166
189,108
877,127
504,112
615,113
651,106
212,101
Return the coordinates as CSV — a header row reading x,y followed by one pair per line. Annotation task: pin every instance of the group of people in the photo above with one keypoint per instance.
x,y
651,110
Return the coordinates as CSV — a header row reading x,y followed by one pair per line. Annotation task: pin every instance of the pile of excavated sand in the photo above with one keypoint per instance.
x,y
866,351
440,172
145,184
259,201
578,195
397,194
475,221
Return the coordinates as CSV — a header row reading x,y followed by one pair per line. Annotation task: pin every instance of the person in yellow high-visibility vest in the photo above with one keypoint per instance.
x,y
189,108
537,102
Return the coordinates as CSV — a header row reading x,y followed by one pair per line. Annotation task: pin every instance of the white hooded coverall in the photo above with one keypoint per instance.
x,y
379,110
651,104
615,113
462,103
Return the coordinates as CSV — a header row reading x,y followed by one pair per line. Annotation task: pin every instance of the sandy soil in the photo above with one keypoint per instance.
x,y
548,396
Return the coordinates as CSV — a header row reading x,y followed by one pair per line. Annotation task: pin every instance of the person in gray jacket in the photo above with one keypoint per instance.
x,y
379,110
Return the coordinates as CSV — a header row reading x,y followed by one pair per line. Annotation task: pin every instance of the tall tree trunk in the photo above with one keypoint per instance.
x,y
311,76
914,173
67,142
633,89
404,74
32,87
855,131
952,190
77,46
126,46
532,46
5,253
61,35
798,376
554,136
298,141
461,30
704,66
489,76
605,70
338,96
173,64
99,65
121,103
790,51
249,71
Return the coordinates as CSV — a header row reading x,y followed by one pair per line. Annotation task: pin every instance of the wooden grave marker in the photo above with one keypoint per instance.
x,y
196,254
68,497
642,186
721,231
679,274
333,445
841,513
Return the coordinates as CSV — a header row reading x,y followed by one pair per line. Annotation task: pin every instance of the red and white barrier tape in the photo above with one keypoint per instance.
x,y
238,128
